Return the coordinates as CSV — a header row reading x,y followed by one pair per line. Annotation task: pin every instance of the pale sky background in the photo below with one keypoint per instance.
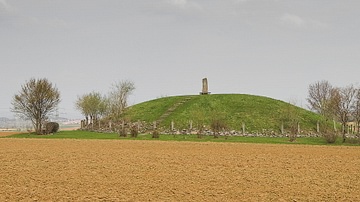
x,y
273,48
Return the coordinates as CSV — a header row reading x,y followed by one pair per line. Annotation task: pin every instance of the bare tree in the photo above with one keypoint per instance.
x,y
320,98
118,97
344,99
218,123
37,99
356,110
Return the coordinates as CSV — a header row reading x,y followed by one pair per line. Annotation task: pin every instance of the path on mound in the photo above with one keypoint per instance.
x,y
172,109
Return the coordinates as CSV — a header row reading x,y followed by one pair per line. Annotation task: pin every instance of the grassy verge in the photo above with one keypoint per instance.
x,y
193,138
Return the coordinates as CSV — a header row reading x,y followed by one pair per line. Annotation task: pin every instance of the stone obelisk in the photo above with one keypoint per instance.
x,y
205,87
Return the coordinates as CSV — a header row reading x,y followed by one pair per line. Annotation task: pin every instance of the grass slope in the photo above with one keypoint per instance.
x,y
257,112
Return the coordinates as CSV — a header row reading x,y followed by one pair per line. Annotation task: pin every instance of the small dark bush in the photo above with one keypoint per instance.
x,y
123,132
134,131
330,137
155,134
199,134
51,127
292,137
293,131
217,125
327,131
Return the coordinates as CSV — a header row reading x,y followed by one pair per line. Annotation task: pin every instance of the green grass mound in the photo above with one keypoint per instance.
x,y
259,114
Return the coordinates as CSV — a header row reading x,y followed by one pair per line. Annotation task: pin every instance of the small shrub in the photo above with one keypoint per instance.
x,y
123,132
200,134
294,125
292,137
330,137
134,131
217,125
327,132
155,134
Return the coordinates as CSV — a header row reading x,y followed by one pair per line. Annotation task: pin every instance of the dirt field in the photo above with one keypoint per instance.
x,y
8,133
111,170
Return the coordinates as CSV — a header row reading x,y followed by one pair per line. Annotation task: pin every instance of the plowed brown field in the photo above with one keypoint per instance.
x,y
111,170
8,133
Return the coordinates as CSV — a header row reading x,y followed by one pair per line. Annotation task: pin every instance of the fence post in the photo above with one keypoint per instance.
x,y
298,128
243,128
317,127
138,126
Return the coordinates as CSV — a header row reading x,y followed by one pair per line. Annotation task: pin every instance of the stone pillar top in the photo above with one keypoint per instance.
x,y
205,87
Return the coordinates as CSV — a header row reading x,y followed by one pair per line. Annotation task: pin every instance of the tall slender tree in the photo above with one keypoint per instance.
x,y
118,97
344,99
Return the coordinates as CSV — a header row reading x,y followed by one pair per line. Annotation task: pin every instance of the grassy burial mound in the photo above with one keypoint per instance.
x,y
257,113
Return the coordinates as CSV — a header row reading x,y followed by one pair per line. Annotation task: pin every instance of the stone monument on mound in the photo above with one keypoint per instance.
x,y
205,87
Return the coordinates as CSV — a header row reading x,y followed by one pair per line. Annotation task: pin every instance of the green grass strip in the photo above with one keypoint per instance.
x,y
192,138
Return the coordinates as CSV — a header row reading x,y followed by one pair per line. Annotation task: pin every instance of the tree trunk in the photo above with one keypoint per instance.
x,y
37,126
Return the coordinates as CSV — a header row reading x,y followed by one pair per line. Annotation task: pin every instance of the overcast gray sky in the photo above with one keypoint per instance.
x,y
273,48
